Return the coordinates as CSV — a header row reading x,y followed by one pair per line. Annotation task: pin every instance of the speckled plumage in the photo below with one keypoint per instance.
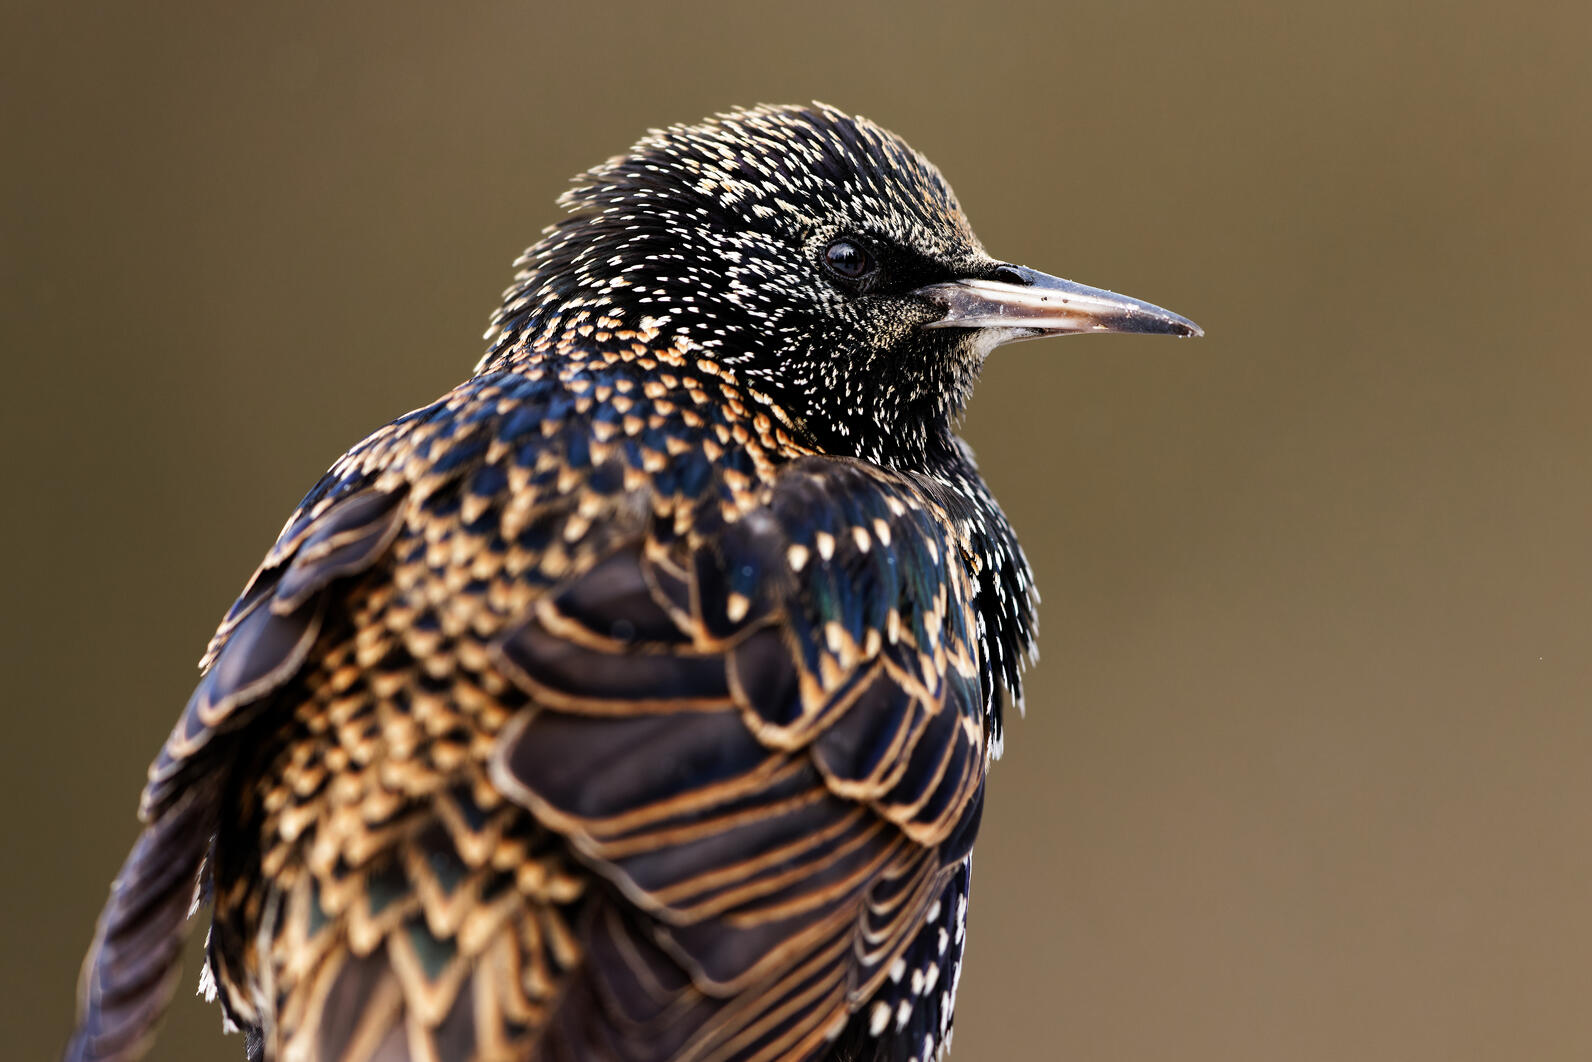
x,y
634,699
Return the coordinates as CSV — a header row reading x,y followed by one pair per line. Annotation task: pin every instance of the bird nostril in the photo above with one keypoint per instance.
x,y
1010,274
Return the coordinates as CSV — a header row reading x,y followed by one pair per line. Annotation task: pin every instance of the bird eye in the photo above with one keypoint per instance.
x,y
847,259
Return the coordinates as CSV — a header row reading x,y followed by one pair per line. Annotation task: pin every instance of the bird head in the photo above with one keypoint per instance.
x,y
816,257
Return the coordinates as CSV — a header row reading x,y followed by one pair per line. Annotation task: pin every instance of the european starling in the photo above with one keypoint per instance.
x,y
634,699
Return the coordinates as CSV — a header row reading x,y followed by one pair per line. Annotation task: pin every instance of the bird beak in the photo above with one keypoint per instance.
x,y
1038,304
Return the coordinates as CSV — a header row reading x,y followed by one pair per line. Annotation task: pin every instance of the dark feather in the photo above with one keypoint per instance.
x,y
749,806
132,966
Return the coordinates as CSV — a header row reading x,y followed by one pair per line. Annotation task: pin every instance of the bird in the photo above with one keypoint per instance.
x,y
634,699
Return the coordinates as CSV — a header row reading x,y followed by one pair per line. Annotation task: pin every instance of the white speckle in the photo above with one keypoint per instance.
x,y
207,983
898,969
878,1018
903,1014
826,544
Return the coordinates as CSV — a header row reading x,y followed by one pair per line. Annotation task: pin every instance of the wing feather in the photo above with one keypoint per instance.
x,y
772,741
136,955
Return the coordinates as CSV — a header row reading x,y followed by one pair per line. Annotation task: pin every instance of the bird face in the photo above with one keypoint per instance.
x,y
815,255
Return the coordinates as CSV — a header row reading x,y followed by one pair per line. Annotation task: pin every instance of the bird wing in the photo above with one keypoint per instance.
x,y
772,741
267,634
131,967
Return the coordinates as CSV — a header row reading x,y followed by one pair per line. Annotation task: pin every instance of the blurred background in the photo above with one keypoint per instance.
x,y
1305,773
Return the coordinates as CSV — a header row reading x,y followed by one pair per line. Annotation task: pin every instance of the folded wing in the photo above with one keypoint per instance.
x,y
771,740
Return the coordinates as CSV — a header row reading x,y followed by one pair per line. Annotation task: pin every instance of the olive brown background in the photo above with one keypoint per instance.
x,y
1305,768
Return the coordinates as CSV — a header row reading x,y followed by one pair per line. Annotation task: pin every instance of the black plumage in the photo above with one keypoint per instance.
x,y
634,699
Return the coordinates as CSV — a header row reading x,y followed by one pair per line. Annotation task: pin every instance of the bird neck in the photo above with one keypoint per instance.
x,y
902,433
